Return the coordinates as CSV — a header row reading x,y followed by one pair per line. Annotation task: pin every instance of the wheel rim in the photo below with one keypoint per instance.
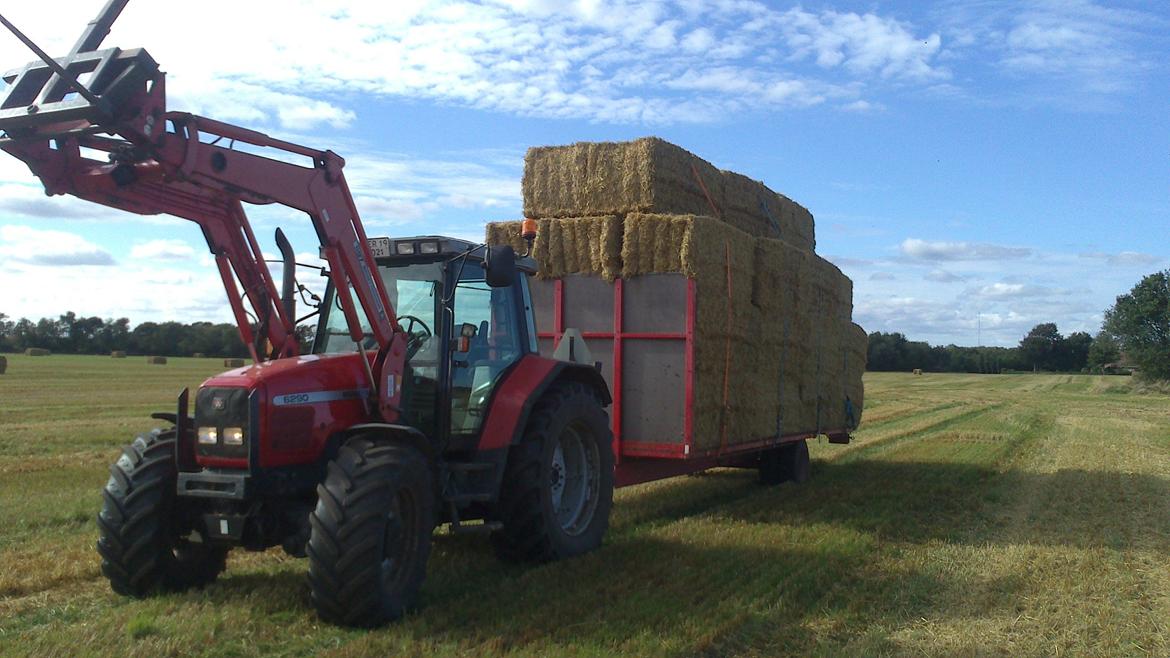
x,y
573,479
398,546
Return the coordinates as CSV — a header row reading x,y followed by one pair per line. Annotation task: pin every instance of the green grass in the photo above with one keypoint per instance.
x,y
973,515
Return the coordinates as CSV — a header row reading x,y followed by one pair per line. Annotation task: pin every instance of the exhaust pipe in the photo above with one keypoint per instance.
x,y
289,282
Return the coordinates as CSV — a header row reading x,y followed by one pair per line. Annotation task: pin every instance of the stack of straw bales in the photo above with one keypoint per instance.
x,y
776,351
36,351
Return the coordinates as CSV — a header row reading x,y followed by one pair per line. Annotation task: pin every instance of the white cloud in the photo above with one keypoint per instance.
x,y
23,244
956,251
941,276
1065,49
1125,258
1017,290
608,60
162,250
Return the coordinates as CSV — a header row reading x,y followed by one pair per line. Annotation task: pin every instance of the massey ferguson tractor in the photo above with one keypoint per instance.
x,y
423,402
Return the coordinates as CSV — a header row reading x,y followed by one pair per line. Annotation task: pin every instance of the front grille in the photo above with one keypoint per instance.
x,y
221,408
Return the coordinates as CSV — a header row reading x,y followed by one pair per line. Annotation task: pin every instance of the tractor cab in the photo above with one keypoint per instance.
x,y
464,333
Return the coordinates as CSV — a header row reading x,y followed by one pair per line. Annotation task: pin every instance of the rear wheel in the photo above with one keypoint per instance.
x,y
145,539
371,533
785,463
558,486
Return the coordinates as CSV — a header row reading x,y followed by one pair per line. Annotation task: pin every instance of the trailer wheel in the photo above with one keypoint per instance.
x,y
558,485
785,463
371,533
144,539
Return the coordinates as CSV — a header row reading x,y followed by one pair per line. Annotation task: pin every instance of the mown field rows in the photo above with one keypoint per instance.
x,y
1011,515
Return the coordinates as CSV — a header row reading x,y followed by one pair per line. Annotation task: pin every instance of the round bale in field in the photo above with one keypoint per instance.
x,y
918,371
233,363
37,351
117,354
3,364
156,360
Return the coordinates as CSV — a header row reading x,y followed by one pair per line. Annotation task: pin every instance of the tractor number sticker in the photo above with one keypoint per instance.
x,y
316,397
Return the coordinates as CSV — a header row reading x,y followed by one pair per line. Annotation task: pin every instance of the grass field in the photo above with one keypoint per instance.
x,y
1008,515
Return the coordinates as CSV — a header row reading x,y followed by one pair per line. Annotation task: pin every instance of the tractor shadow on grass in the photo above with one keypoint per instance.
x,y
918,502
719,565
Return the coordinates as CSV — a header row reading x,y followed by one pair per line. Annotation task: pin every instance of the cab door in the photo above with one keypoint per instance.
x,y
488,335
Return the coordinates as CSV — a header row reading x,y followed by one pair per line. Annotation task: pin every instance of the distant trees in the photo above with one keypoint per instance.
x,y
893,352
1043,348
1140,323
1104,351
92,335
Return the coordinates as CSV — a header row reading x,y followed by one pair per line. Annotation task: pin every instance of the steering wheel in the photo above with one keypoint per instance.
x,y
417,338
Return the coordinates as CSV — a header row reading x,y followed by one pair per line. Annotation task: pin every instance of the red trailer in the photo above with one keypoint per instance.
x,y
642,333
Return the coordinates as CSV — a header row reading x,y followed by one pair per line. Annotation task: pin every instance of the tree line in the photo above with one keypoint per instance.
x,y
71,334
1136,333
1042,349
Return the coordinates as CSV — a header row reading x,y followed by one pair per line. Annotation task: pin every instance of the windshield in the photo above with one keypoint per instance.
x,y
414,292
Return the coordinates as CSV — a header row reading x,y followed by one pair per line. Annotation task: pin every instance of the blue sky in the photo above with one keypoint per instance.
x,y
976,167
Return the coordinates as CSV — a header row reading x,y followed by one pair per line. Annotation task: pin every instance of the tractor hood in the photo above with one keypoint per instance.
x,y
309,374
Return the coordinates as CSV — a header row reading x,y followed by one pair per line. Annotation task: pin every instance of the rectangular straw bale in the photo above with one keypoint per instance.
x,y
36,351
3,364
233,363
156,360
857,347
497,233
578,245
604,178
727,341
832,288
832,374
752,207
117,354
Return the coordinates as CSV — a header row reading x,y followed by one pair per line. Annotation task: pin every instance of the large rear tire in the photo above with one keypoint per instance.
x,y
785,463
558,485
144,538
371,533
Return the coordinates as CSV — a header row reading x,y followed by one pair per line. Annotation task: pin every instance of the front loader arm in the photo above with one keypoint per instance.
x,y
188,166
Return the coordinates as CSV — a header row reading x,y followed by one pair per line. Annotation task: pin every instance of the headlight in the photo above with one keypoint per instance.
x,y
233,436
208,436
429,247
404,248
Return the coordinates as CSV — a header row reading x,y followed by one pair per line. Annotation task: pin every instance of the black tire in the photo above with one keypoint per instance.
x,y
371,533
786,463
142,531
532,529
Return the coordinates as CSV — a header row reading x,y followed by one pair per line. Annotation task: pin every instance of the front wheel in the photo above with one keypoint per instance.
x,y
558,485
371,533
145,539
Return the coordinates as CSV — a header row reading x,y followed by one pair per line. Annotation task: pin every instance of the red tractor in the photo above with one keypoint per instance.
x,y
424,400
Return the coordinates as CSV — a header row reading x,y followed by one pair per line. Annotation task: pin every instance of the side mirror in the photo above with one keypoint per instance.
x,y
500,266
